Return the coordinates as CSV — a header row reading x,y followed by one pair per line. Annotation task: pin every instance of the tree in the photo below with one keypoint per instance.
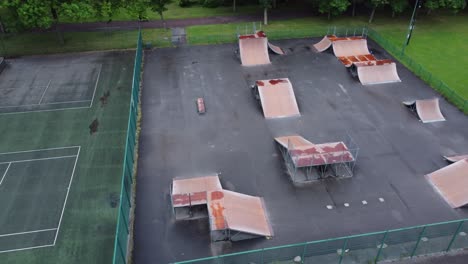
x,y
333,7
375,4
398,6
455,5
159,6
78,10
266,4
138,8
107,8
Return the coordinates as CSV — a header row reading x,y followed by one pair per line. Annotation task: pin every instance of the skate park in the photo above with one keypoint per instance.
x,y
233,139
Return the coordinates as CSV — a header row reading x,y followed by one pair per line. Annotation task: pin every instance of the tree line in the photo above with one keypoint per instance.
x,y
18,15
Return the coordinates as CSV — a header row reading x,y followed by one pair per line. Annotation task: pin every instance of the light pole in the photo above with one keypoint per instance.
x,y
417,6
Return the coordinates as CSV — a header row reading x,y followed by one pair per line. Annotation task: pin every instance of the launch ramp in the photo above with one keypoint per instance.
x,y
451,182
253,49
427,110
235,216
276,97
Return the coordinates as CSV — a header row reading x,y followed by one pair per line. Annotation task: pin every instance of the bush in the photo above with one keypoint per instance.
x,y
184,3
212,3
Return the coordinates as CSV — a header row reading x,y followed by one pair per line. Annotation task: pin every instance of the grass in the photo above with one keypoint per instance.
x,y
88,227
438,42
176,12
45,43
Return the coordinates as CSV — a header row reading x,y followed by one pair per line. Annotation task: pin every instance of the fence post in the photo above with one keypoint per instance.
x,y
455,235
417,243
345,244
381,246
304,252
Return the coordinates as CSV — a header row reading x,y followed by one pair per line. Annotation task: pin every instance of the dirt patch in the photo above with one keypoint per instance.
x,y
103,99
114,199
93,127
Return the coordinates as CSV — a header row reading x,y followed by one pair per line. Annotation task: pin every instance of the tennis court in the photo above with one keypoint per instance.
x,y
41,83
34,188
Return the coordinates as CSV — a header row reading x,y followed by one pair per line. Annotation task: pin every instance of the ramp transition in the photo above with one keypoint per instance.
x,y
427,110
451,182
253,49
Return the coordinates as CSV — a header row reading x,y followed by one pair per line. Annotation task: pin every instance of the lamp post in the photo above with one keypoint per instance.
x,y
417,6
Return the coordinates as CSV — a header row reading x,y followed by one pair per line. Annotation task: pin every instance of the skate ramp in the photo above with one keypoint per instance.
x,y
238,212
455,158
323,44
187,192
353,47
451,182
277,98
293,141
276,49
427,110
377,72
253,49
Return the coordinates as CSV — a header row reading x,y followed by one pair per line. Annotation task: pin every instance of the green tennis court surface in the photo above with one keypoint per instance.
x,y
33,193
39,223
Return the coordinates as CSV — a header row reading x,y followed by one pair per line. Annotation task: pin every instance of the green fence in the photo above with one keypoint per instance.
x,y
366,248
123,221
420,71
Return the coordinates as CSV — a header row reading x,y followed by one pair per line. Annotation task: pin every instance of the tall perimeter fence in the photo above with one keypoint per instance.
x,y
388,245
121,248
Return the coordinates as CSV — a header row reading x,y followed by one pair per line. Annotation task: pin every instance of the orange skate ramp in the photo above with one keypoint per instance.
x,y
452,183
187,192
353,47
293,141
377,72
427,110
276,49
238,212
323,44
455,158
277,98
253,49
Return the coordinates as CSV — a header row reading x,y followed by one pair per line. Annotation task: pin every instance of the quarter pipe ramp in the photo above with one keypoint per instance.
x,y
253,49
277,98
427,110
377,72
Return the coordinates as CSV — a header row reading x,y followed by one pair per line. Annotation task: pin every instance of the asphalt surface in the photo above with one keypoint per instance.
x,y
233,139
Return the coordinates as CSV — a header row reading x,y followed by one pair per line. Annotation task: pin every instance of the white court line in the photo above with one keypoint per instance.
x,y
28,232
35,150
46,110
95,86
43,93
67,102
66,196
4,174
20,249
50,158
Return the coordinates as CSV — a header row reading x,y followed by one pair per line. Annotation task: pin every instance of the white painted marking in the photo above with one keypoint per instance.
x,y
364,202
35,150
45,90
329,207
342,88
49,158
4,174
381,200
462,233
28,232
95,86
21,249
66,196
67,102
47,110
346,204
424,239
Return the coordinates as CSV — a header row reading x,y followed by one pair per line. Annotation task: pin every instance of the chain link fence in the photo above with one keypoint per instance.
x,y
388,245
124,221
